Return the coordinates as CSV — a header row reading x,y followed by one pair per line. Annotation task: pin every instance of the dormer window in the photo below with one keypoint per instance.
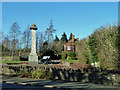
x,y
68,47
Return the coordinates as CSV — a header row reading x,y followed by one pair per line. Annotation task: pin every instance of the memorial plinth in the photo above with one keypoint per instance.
x,y
33,57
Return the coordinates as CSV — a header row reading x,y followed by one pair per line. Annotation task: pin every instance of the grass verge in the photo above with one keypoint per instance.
x,y
71,61
3,62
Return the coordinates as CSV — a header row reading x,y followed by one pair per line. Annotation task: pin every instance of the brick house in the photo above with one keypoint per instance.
x,y
70,46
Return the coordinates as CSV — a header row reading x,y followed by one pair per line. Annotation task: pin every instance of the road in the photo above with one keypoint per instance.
x,y
16,82
6,86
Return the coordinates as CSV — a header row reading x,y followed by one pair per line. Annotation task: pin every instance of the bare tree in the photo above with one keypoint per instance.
x,y
14,35
20,45
6,46
26,37
40,40
0,45
49,34
58,47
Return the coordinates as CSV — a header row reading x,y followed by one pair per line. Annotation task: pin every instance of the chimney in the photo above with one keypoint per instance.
x,y
77,39
73,38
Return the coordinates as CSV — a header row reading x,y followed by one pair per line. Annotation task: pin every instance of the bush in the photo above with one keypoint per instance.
x,y
77,65
107,46
92,45
42,74
102,46
63,55
25,75
69,58
71,55
80,65
81,50
68,55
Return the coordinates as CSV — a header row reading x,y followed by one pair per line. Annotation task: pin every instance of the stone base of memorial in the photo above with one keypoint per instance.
x,y
33,60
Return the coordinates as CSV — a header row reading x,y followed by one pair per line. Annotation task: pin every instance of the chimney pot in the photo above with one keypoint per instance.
x,y
72,36
77,39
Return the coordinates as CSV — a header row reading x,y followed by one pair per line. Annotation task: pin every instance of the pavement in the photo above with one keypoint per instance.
x,y
51,83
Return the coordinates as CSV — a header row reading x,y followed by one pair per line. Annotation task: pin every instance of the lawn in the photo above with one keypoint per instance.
x,y
17,61
71,61
7,61
3,62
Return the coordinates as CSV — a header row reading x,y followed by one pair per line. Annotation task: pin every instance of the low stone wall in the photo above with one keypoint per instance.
x,y
92,75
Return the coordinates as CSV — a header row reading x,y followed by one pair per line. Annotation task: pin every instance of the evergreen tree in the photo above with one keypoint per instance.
x,y
64,37
45,43
70,36
56,38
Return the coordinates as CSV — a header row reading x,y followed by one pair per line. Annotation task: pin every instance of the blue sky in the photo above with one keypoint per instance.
x,y
80,18
60,0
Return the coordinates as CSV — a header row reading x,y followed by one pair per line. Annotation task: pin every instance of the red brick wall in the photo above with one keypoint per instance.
x,y
71,45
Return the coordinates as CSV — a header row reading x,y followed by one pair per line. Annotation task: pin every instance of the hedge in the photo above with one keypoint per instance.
x,y
102,46
68,55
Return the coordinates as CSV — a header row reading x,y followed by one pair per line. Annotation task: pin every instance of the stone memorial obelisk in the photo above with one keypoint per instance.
x,y
33,57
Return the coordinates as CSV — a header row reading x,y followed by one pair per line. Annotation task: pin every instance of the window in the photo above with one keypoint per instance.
x,y
68,48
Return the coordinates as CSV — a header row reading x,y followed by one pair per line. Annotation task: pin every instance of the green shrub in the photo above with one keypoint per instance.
x,y
81,50
41,74
102,46
25,75
70,55
63,54
92,45
69,58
